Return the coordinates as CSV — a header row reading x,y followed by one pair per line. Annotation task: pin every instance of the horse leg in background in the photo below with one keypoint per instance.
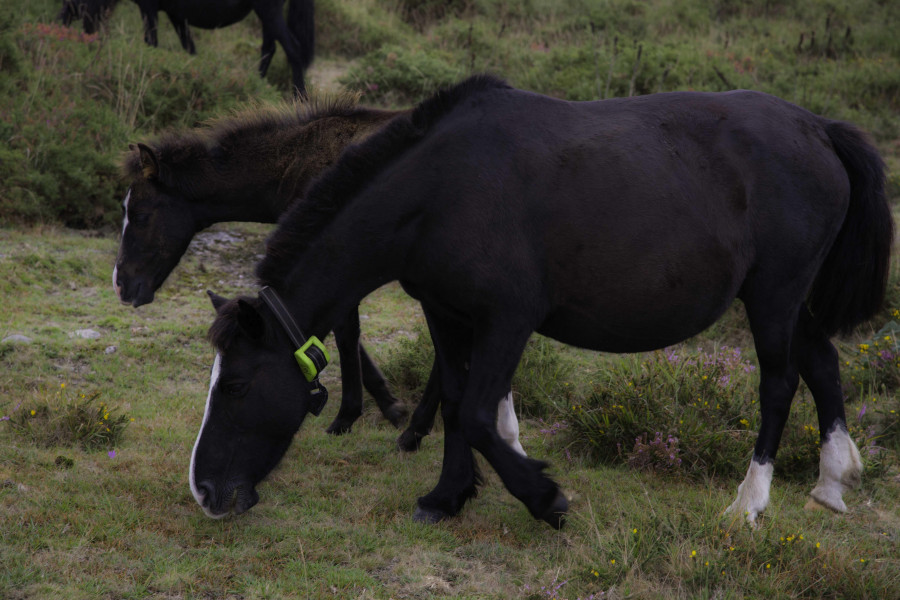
x,y
346,337
297,37
840,466
459,477
149,15
184,35
267,52
374,382
779,379
422,419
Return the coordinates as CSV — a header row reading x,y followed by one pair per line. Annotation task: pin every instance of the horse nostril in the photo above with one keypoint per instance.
x,y
206,490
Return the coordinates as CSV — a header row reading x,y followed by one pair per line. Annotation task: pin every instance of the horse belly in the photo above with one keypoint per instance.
x,y
209,14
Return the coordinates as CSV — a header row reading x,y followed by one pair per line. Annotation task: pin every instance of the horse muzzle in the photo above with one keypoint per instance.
x,y
135,291
234,498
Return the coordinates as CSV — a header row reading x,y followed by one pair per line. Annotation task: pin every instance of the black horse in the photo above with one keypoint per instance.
x,y
251,167
622,225
296,36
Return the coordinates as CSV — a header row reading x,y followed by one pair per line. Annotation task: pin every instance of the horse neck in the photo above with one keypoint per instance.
x,y
264,178
351,258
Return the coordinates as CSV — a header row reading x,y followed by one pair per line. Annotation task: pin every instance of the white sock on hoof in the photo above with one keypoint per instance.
x,y
753,493
508,425
840,468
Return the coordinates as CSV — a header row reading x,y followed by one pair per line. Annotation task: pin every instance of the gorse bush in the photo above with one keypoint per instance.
x,y
702,401
67,418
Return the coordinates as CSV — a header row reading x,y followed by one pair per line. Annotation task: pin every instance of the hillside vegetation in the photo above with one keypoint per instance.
x,y
70,103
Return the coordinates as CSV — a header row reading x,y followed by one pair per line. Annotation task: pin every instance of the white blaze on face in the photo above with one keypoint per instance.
x,y
213,379
508,425
840,467
753,493
124,227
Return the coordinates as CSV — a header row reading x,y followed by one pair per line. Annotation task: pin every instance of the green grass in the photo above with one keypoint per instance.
x,y
334,518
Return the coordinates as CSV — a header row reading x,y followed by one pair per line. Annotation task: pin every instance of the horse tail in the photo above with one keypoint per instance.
x,y
850,287
301,22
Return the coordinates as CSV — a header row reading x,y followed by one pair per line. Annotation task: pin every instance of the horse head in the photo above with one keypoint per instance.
x,y
258,398
157,227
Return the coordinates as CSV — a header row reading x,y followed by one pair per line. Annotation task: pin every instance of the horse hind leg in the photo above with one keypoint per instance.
x,y
779,379
840,465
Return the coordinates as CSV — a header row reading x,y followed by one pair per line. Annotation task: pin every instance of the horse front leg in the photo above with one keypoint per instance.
x,y
496,352
346,337
459,477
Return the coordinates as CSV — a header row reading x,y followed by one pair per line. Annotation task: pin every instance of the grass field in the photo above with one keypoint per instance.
x,y
109,514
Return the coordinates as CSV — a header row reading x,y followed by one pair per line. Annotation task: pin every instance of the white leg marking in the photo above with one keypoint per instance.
x,y
124,226
840,468
213,379
508,425
753,493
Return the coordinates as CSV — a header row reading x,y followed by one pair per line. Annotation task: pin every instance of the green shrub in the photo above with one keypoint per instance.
x,y
395,75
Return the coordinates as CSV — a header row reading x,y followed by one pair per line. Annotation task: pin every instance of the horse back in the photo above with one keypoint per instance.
x,y
622,224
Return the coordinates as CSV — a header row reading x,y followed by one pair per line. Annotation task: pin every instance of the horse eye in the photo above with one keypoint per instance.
x,y
235,389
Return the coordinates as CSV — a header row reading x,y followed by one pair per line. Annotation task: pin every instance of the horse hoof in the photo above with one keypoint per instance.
x,y
409,441
555,516
429,515
339,427
396,414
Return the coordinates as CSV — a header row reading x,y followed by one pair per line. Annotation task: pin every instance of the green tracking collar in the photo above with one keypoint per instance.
x,y
311,354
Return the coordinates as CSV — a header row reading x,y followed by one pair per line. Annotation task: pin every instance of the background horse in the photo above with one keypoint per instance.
x,y
623,225
251,167
296,36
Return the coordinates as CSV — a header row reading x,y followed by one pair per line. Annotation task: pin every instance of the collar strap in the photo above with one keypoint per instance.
x,y
311,354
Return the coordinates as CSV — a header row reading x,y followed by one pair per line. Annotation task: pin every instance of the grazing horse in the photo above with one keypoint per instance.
x,y
251,167
296,36
623,225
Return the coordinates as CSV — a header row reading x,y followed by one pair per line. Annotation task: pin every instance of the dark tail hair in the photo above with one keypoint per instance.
x,y
302,24
851,284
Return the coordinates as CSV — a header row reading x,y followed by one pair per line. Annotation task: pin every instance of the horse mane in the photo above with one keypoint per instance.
x,y
225,326
188,153
358,165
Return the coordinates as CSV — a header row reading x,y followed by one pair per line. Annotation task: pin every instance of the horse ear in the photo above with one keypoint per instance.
x,y
249,319
217,300
149,162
